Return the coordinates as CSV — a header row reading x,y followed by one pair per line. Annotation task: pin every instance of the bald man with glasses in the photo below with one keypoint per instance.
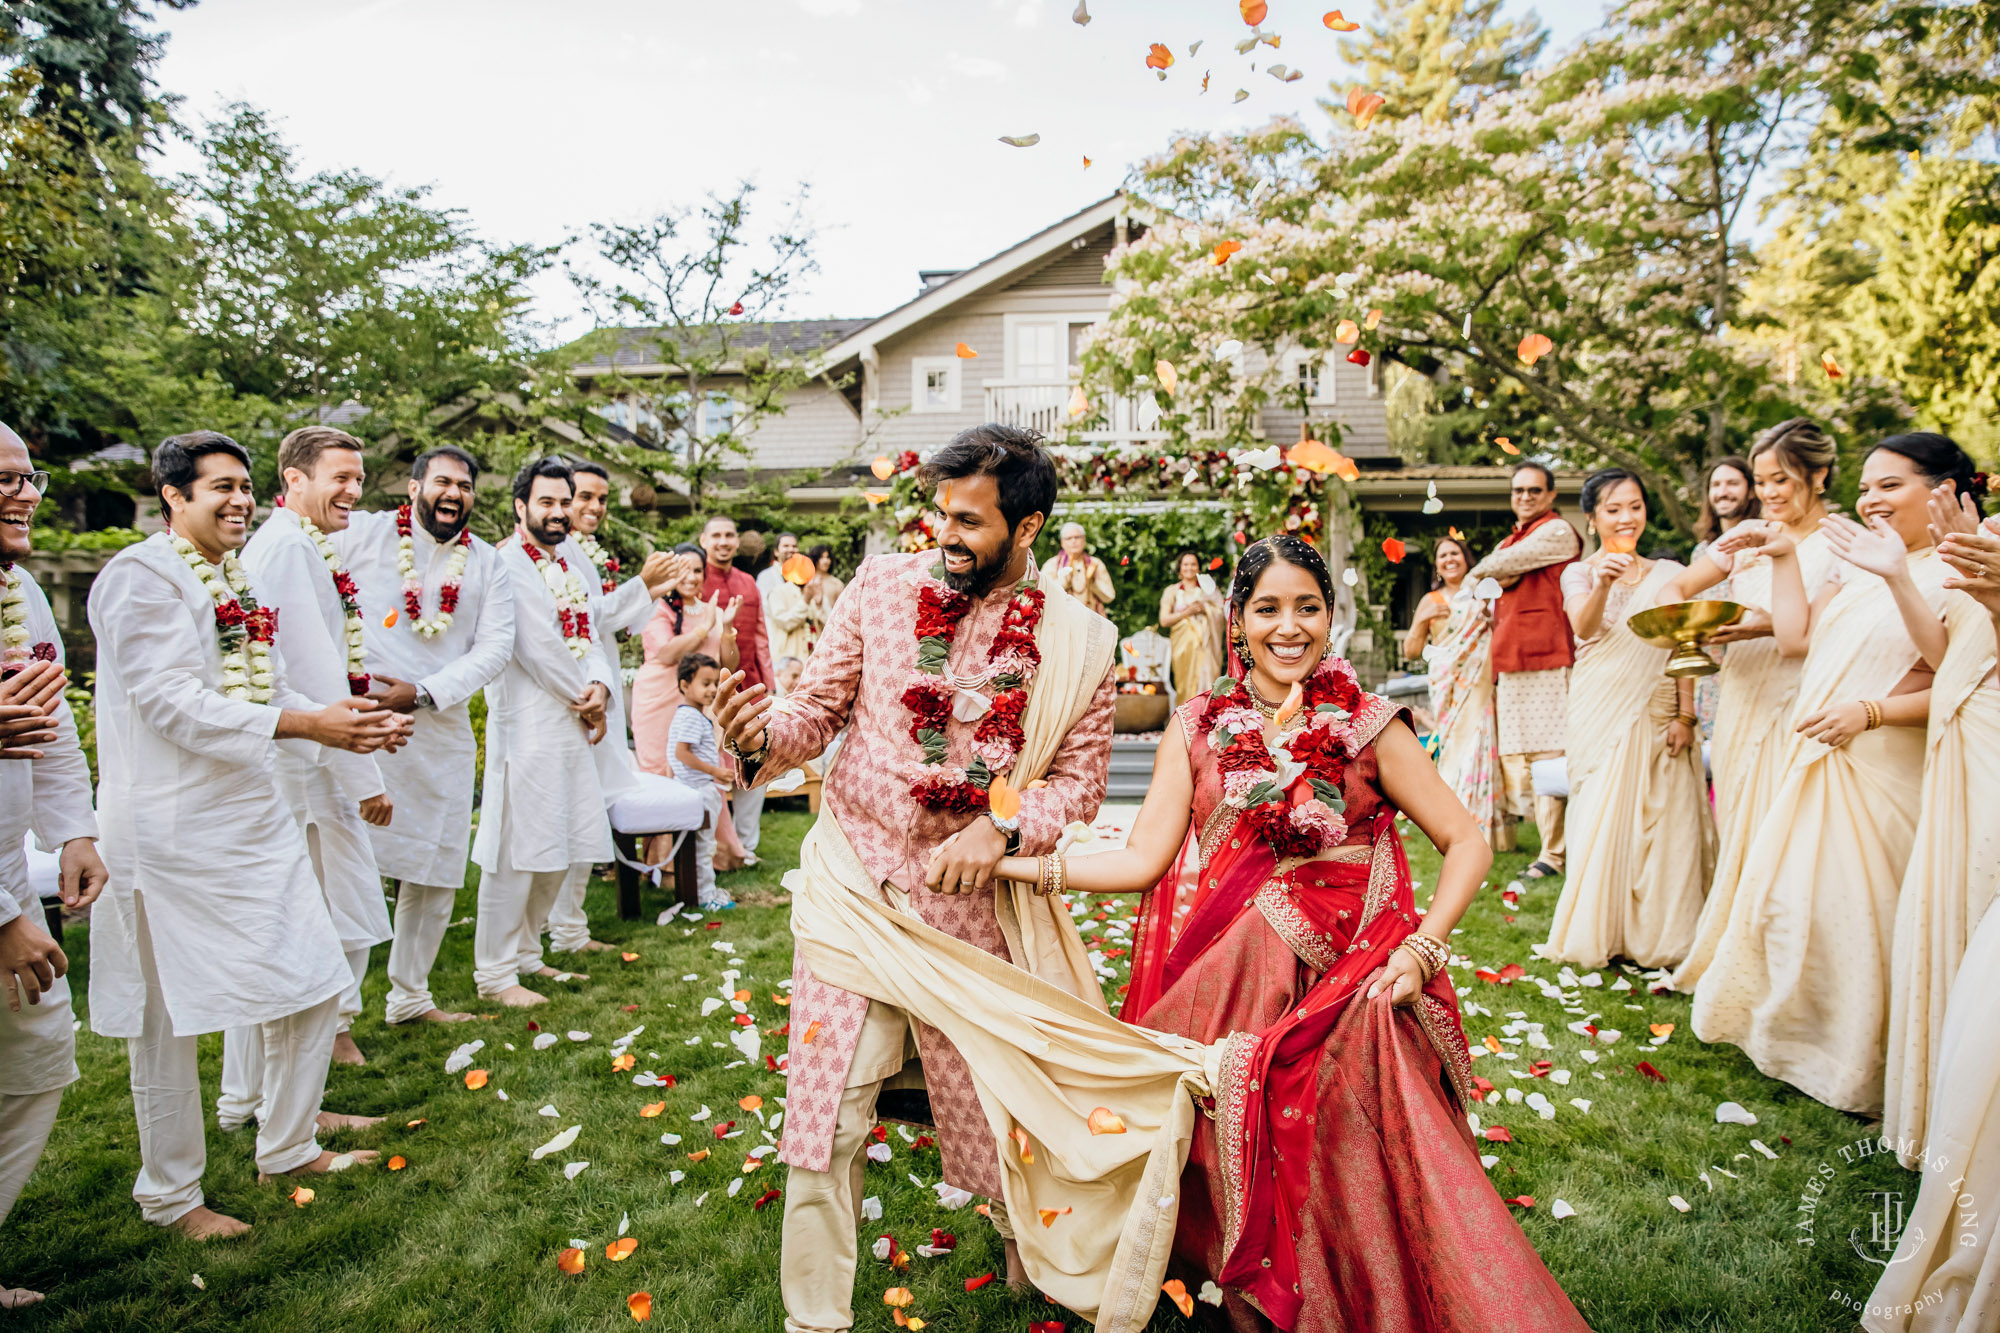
x,y
1532,654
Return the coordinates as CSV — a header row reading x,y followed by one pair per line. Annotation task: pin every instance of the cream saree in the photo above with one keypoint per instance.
x,y
1954,866
1945,1277
1641,840
1753,732
1195,640
1800,978
1461,675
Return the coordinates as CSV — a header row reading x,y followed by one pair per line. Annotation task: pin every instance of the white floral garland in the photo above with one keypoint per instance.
x,y
246,661
413,583
350,601
606,565
572,600
14,621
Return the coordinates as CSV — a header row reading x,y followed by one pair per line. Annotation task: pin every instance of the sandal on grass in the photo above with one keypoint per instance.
x,y
1541,870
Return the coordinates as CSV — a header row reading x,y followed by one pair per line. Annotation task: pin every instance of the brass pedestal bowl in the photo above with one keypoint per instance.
x,y
1685,627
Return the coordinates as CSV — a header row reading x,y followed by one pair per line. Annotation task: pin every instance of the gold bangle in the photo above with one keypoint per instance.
x,y
1874,711
1686,719
1430,952
1424,968
1062,873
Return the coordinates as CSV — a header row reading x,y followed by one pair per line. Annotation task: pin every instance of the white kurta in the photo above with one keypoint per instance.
x,y
430,779
193,821
49,796
291,575
543,805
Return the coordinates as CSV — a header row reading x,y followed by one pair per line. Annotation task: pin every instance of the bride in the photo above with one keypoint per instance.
x,y
1338,1186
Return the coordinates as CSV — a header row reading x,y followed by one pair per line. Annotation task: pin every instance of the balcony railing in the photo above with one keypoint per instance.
x,y
1043,405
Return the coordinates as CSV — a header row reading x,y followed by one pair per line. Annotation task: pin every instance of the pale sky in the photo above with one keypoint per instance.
x,y
539,118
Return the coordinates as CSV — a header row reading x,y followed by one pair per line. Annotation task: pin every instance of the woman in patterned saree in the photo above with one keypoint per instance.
x,y
1337,1186
1458,647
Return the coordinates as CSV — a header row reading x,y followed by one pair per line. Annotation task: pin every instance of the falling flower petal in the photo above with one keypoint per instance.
x,y
389,621
1020,1136
1049,1215
1253,11
1394,549
1102,1121
1081,16
570,1260
302,1196
1086,162
1359,357
1507,446
1362,105
1158,56
884,467
1224,249
1338,23
873,497
799,570
1347,331
1534,347
1177,1292
1168,377
812,1030
1241,94
964,352
640,1303
1020,140
1079,401
618,1251
1829,365
1374,318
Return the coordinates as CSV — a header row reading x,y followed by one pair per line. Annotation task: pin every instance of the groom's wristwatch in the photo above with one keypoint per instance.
x,y
1013,835
424,699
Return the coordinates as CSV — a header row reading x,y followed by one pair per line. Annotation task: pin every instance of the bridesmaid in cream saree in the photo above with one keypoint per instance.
x,y
1791,464
1945,1277
1956,861
1800,979
1640,836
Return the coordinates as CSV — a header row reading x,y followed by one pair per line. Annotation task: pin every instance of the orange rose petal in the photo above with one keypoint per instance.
x,y
475,1079
1177,1292
1347,331
570,1260
1374,318
1345,468
812,1030
1534,347
1362,105
1253,11
1493,1044
618,1251
873,497
629,957
751,1103
414,1123
964,352
884,467
782,1001
799,570
1662,1029
1020,1136
1222,251
624,1062
1507,446
1338,23
1829,365
640,1303
1001,799
389,621
897,1297
651,1109
1104,1121
302,1196
397,1164
1049,1215
1158,56
698,1156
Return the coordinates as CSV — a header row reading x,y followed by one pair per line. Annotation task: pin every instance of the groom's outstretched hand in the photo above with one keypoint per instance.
x,y
742,714
964,862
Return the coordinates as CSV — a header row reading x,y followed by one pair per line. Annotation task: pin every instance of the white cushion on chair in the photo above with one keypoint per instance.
x,y
655,804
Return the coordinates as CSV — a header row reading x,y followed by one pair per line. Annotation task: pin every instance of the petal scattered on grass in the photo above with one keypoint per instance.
x,y
397,1164
1177,1292
618,1251
475,1079
570,1260
640,1303
301,1196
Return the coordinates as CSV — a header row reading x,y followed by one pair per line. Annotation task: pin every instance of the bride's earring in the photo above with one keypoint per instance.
x,y
1242,645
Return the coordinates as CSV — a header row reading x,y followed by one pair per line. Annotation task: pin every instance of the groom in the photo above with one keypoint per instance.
x,y
921,829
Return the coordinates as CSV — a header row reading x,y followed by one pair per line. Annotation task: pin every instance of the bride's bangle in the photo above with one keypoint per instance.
x,y
1431,953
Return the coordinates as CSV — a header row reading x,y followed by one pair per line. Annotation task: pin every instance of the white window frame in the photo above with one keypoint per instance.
x,y
1325,392
1062,319
920,370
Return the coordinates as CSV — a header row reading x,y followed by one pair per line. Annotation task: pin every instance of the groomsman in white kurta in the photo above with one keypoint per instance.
x,y
542,813
427,659
212,919
44,789
640,801
338,798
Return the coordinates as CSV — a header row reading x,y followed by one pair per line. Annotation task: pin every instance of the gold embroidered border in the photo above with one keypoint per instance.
x,y
1237,1050
1295,928
1381,878
1219,822
1437,1025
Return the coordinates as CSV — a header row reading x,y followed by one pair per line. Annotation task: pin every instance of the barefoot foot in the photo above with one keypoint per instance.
x,y
333,1122
591,946
204,1223
554,975
437,1016
520,997
1017,1272
345,1052
19,1298
326,1162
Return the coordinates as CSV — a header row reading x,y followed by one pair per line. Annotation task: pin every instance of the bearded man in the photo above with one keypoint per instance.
x,y
213,919
1023,688
44,789
635,800
438,624
542,814
292,561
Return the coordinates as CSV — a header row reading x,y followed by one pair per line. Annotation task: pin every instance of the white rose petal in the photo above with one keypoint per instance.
x,y
871,1208
575,1169
556,1144
1758,1144
1679,1203
948,1197
1561,1209
549,1111
878,1152
544,1040
1730,1113
1581,1103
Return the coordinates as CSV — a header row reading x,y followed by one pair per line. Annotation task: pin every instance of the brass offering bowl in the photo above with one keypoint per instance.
x,y
1685,627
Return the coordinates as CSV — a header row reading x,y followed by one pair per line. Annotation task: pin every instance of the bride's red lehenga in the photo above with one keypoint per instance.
x,y
1337,1187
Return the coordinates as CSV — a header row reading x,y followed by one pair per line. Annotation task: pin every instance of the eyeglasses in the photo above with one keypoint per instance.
x,y
12,482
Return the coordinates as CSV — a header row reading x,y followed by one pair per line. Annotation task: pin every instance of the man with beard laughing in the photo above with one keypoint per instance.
x,y
438,624
542,815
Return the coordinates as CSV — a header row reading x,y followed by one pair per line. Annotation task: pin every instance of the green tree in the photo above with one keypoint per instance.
x,y
703,285
94,61
1427,57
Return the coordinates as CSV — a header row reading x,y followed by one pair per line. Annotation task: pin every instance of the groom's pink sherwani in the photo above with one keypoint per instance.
x,y
856,680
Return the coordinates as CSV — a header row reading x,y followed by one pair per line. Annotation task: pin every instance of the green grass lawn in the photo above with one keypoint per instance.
x,y
467,1235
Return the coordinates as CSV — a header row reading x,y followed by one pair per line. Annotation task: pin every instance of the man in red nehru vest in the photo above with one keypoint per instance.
x,y
722,582
1532,654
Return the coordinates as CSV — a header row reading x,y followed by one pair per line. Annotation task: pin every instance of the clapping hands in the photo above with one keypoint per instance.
x,y
1876,548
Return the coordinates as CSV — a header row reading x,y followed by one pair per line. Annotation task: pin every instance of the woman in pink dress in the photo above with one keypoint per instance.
x,y
1337,1187
682,623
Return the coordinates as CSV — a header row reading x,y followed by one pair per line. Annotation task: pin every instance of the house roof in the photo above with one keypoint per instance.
x,y
637,350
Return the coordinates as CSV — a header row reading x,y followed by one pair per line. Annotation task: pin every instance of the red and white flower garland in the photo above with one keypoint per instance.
x,y
933,690
413,582
572,601
243,629
350,605
15,650
603,561
1290,793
